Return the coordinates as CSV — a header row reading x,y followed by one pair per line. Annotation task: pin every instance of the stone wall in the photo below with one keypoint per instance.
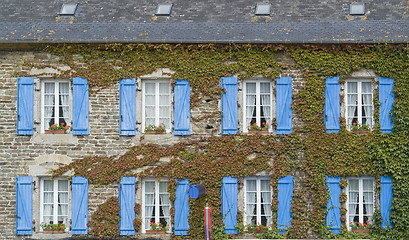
x,y
35,155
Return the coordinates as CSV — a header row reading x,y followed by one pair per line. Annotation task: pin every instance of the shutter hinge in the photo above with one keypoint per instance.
x,y
34,185
70,224
34,225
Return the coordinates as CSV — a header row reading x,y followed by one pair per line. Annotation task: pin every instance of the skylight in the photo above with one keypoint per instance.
x,y
68,8
164,9
357,8
263,9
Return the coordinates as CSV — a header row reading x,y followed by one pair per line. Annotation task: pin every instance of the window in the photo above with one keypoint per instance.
x,y
359,107
257,103
155,203
257,201
156,104
55,103
360,201
54,200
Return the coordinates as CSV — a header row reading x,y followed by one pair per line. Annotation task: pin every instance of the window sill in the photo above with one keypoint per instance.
x,y
361,132
42,138
258,132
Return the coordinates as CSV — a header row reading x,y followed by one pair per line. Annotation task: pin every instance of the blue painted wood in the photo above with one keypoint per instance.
x,y
229,204
127,205
79,205
333,219
229,106
386,201
386,98
24,205
25,105
284,111
182,107
182,208
80,106
332,107
284,197
127,107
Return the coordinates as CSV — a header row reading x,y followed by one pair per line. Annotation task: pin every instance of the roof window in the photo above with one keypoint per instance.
x,y
164,9
357,9
263,9
68,9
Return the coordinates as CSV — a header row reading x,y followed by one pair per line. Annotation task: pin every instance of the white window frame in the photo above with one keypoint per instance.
x,y
157,121
258,104
258,200
359,97
56,101
55,201
157,203
360,197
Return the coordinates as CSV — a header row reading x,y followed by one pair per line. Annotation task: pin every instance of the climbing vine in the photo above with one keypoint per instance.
x,y
308,151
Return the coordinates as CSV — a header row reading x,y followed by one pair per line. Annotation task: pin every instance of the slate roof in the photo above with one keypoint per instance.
x,y
204,21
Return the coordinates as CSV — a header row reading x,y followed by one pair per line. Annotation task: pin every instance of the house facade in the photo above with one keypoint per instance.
x,y
293,118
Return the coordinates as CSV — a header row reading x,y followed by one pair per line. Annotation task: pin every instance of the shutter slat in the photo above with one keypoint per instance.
x,y
127,109
284,111
182,208
79,205
182,107
386,98
127,205
229,204
25,105
80,106
24,205
333,219
284,197
332,107
229,106
386,201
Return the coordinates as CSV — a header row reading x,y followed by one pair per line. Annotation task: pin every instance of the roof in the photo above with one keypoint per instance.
x,y
204,21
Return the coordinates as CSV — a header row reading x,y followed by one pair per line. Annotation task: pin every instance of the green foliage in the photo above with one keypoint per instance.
x,y
104,221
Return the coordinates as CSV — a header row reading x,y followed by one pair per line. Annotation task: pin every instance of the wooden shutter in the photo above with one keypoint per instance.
x,y
333,219
182,207
284,112
127,107
229,204
284,197
229,105
182,107
332,107
25,105
24,205
80,106
127,205
386,98
386,200
79,205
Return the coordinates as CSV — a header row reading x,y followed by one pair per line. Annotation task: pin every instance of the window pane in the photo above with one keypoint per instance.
x,y
49,88
149,100
251,185
352,87
62,185
150,112
251,88
164,88
265,88
149,187
265,185
164,112
251,197
266,197
163,187
48,185
164,100
353,184
149,88
367,184
366,87
63,197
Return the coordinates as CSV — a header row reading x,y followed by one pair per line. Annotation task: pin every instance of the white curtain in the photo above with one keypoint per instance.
x,y
149,203
149,103
366,103
266,199
62,201
251,201
48,201
164,104
368,196
353,197
64,98
352,101
49,90
265,101
164,200
250,102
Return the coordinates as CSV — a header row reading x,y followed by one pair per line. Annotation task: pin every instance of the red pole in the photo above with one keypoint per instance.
x,y
207,222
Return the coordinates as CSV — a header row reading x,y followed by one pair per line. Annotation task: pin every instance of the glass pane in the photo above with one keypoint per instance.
x,y
150,112
251,88
251,185
164,111
49,88
63,197
164,199
368,197
266,197
353,184
353,209
251,100
149,187
49,100
150,88
164,88
165,121
62,185
149,100
164,100
64,88
352,99
367,184
163,187
251,197
62,210
48,197
353,197
368,209
48,185
366,87
352,87
265,88
265,185
251,220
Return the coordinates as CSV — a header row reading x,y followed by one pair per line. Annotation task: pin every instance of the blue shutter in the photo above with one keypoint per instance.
x,y
229,204
386,98
80,106
284,112
79,205
333,219
25,105
24,205
182,107
229,106
332,107
182,207
284,197
386,200
127,205
127,106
